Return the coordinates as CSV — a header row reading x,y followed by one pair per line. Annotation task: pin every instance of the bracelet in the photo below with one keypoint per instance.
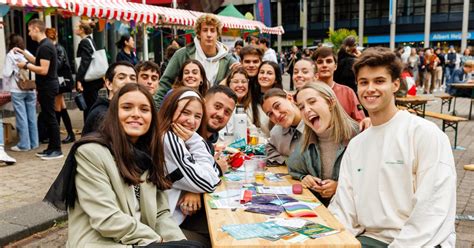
x,y
26,65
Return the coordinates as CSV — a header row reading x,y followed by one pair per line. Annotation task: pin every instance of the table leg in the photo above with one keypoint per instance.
x,y
470,109
454,106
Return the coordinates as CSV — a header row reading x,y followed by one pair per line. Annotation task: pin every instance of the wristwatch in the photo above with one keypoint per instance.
x,y
26,65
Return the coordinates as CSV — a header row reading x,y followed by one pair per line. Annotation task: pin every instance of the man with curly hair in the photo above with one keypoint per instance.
x,y
213,55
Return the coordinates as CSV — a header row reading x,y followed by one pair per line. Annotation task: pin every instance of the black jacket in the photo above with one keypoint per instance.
x,y
96,116
344,74
85,52
64,69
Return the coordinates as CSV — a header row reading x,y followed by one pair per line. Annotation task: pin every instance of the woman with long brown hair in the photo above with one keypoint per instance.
x,y
192,75
190,165
113,181
24,101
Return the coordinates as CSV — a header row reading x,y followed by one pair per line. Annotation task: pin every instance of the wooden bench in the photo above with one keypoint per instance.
x,y
8,127
445,99
448,121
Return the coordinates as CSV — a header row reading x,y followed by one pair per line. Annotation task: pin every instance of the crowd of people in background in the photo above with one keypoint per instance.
x,y
147,151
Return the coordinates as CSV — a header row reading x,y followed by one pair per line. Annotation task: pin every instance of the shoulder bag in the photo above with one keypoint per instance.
x,y
24,82
98,65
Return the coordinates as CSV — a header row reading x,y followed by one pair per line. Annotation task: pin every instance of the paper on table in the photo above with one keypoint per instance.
x,y
278,190
298,239
232,202
292,223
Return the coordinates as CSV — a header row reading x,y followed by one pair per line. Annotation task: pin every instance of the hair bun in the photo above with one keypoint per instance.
x,y
92,24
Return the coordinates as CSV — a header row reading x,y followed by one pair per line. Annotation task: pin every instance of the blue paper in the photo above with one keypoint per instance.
x,y
255,230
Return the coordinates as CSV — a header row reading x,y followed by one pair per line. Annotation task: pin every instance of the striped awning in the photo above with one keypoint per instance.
x,y
38,3
123,10
142,13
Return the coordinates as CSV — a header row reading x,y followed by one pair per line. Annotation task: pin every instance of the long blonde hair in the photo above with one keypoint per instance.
x,y
344,127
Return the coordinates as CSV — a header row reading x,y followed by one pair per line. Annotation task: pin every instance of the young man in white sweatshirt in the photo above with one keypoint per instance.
x,y
397,183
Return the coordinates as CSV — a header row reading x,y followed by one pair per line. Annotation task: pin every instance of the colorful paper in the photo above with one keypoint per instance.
x,y
255,230
296,209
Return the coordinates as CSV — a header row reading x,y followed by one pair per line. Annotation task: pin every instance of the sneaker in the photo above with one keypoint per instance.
x,y
7,159
18,149
42,154
53,155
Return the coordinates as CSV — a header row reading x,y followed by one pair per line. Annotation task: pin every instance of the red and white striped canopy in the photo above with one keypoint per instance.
x,y
124,10
38,3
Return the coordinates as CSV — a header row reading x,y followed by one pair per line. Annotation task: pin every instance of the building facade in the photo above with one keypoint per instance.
x,y
446,20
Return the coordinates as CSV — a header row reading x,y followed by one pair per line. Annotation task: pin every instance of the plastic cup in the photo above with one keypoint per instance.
x,y
250,166
233,188
260,171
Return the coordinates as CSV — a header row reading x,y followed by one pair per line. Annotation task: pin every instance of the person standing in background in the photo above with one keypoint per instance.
x,y
126,44
413,63
431,62
439,70
451,63
44,65
268,53
421,69
237,47
346,57
24,101
213,55
90,90
466,55
65,85
293,57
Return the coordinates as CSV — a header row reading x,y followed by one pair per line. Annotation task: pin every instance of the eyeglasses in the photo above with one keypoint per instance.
x,y
236,81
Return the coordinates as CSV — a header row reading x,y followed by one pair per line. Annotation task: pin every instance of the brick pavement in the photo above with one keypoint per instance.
x,y
28,180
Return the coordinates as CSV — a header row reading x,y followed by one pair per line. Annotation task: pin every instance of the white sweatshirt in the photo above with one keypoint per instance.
x,y
210,64
397,184
10,72
191,166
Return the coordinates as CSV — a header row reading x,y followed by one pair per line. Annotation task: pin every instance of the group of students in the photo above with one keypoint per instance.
x,y
138,178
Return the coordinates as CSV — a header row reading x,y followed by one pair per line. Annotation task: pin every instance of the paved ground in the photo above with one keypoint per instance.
x,y
27,182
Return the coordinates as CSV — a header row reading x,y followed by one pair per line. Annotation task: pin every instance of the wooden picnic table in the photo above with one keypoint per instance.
x,y
416,103
218,217
464,86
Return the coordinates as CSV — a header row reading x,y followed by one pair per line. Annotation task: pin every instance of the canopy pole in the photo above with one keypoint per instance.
x,y
162,55
175,5
2,42
145,40
279,24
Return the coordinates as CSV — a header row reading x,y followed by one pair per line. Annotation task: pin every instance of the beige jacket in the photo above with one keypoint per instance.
x,y
104,212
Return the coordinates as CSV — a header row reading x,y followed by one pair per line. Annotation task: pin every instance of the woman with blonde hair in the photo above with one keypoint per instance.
x,y
327,132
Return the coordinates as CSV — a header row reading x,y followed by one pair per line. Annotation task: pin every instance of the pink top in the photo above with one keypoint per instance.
x,y
348,99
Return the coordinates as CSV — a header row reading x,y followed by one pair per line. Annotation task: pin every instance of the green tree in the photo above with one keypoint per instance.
x,y
337,36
